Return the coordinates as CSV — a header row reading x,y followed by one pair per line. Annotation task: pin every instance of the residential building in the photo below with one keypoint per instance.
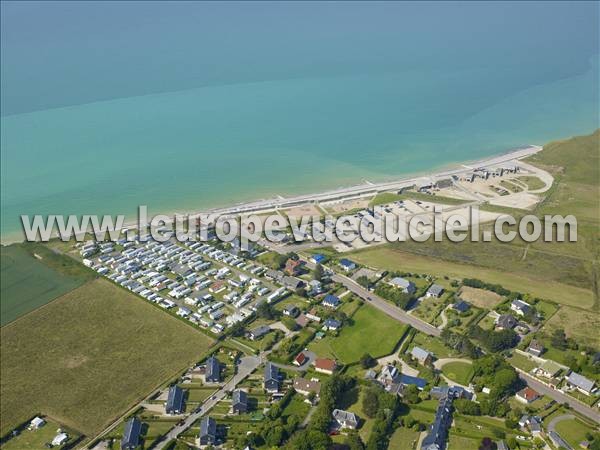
x,y
389,375
315,288
581,383
292,282
549,369
36,423
527,395
535,348
305,387
293,267
558,441
332,325
213,370
421,355
302,320
435,290
60,439
461,306
408,287
300,359
208,431
347,265
318,258
174,403
291,311
258,332
345,419
408,380
239,401
520,307
331,301
324,365
506,322
438,431
271,378
131,434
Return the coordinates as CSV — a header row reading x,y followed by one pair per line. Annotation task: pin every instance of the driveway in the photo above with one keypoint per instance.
x,y
310,357
554,422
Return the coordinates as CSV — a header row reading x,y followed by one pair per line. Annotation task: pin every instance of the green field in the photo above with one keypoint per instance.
x,y
87,357
371,332
29,282
573,431
403,439
460,372
37,439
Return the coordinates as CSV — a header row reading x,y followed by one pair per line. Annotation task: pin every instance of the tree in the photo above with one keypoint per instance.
x,y
468,407
487,444
411,395
353,441
370,402
318,272
559,339
367,361
512,443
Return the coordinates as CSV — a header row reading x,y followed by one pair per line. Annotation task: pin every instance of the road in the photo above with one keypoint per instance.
x,y
369,297
540,387
246,366
553,422
401,316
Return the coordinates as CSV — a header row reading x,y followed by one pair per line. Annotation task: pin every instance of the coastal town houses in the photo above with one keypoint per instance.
x,y
437,433
422,356
331,301
345,419
408,287
326,366
294,267
306,387
581,383
239,402
520,307
131,434
271,380
527,395
174,403
347,265
212,373
208,431
536,348
434,291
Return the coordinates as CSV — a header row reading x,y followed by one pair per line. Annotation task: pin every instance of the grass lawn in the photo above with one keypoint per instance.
x,y
461,372
522,362
532,182
371,332
403,439
36,439
432,344
456,442
88,356
573,431
29,282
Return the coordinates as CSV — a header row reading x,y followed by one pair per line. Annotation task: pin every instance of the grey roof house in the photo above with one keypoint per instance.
x,y
271,378
435,290
131,434
345,419
421,355
208,431
239,401
581,383
408,287
506,322
213,370
438,430
174,403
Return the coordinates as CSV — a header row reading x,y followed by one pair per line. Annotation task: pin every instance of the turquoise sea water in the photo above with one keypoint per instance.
x,y
317,108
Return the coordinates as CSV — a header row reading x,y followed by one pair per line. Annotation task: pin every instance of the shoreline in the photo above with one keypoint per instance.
x,y
340,194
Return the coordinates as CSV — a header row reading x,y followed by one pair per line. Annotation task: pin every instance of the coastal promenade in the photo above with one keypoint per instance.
x,y
367,189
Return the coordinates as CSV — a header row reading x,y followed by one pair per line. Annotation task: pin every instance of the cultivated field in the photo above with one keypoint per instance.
x,y
371,332
577,324
87,357
481,298
28,282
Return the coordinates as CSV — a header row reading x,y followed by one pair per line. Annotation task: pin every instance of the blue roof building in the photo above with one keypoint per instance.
x,y
438,430
175,401
213,370
331,301
131,434
208,431
420,383
318,258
